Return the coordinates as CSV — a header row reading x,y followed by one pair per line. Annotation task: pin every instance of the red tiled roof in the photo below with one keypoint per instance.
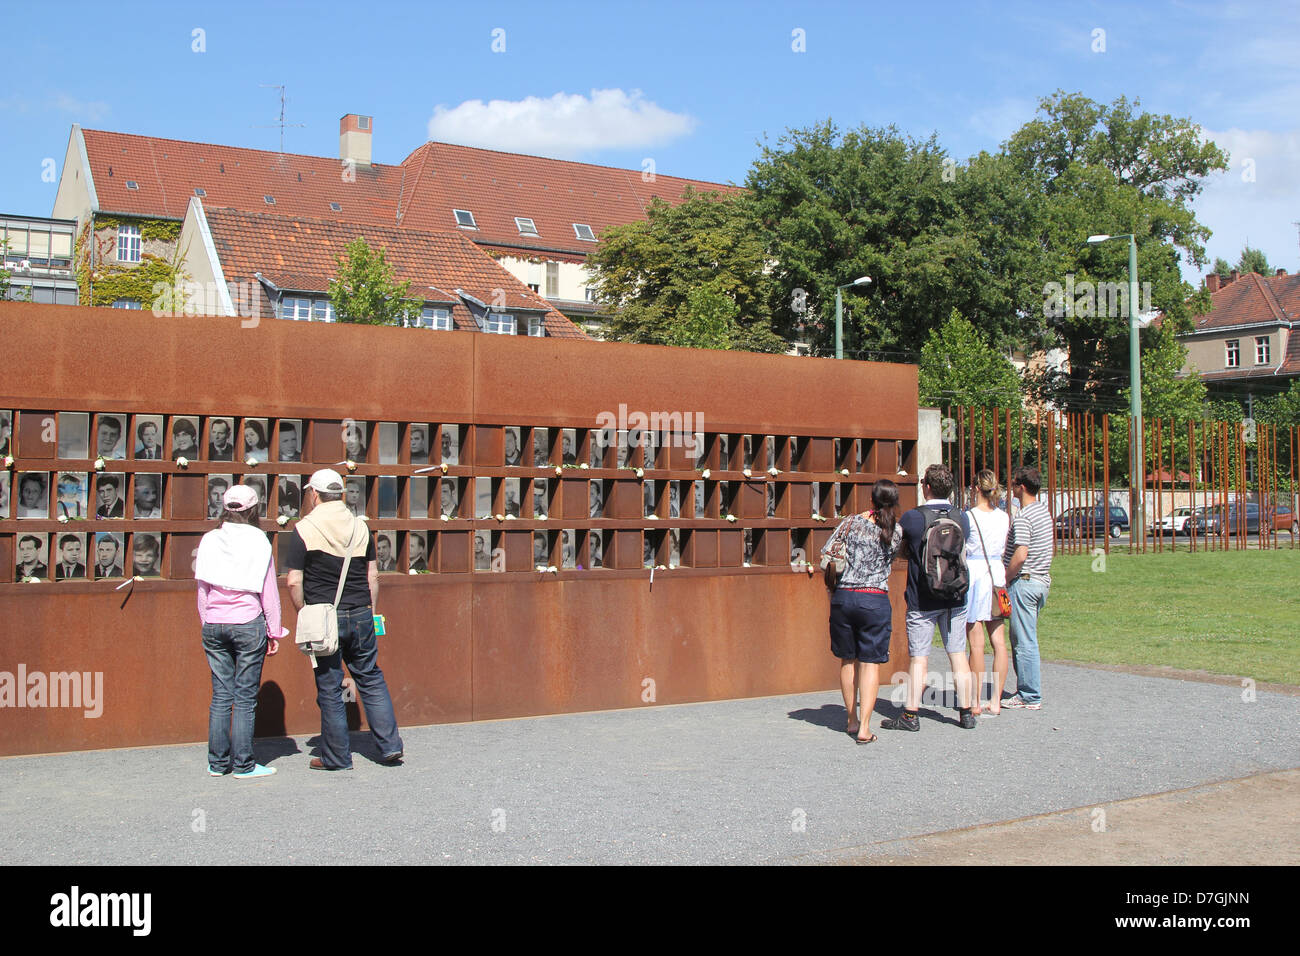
x,y
1255,300
421,193
301,255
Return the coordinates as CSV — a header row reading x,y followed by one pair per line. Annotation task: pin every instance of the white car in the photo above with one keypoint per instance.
x,y
1176,522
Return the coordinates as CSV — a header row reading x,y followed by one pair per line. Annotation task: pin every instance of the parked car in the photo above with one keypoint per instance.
x,y
1091,522
1211,520
1283,519
1176,523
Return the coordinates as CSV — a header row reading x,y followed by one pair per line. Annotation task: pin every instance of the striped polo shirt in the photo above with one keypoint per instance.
x,y
1032,529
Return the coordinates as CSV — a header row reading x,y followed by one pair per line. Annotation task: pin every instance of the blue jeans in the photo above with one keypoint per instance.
x,y
235,655
357,649
1028,598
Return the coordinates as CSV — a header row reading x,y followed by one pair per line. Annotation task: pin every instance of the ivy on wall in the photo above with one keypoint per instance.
x,y
101,280
162,230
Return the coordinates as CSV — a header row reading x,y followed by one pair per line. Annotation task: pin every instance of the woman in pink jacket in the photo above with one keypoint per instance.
x,y
239,607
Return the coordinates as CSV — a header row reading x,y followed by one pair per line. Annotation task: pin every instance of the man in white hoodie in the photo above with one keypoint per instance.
x,y
314,559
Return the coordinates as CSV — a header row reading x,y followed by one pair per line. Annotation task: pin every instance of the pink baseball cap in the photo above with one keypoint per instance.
x,y
240,498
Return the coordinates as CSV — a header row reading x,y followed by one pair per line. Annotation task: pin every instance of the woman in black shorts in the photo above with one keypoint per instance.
x,y
857,559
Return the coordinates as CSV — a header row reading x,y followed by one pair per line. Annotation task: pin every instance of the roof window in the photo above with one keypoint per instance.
x,y
269,200
583,232
200,191
335,207
526,226
132,184
465,218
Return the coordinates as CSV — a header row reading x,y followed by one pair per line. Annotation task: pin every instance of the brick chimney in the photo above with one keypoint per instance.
x,y
1212,282
1234,276
354,139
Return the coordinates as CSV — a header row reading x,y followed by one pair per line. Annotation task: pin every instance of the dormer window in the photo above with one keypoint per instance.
x,y
465,219
526,226
583,232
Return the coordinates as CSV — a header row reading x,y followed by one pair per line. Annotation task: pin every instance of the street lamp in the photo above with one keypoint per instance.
x,y
1138,464
839,313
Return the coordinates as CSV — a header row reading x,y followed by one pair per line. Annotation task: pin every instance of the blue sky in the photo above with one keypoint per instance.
x,y
692,86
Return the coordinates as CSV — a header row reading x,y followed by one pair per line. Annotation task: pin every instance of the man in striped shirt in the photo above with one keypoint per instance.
x,y
1028,557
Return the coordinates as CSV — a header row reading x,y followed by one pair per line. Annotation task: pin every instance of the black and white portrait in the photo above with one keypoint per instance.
x,y
221,439
674,499
769,453
450,445
541,447
482,497
601,439
148,439
6,432
69,556
512,497
624,450
816,497
699,499
482,551
33,494
354,440
595,549
449,497
354,494
417,551
289,442
701,451
748,536
513,452
540,554
771,501
218,485
288,496
388,441
109,437
539,498
568,446
647,550
595,500
4,494
146,496
419,443
185,438
73,495
146,555
258,484
110,495
724,452
674,548
29,556
749,451
648,498
256,440
568,548
385,551
387,494
108,555
418,490
74,435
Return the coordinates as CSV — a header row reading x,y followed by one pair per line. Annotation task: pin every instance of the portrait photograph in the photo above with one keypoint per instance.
x,y
513,451
354,440
541,447
6,432
108,555
288,496
354,494
769,453
256,440
33,494
601,439
749,451
185,438
699,499
648,498
724,452
419,492
815,496
218,485
387,495
4,494
146,496
388,443
417,551
647,550
674,548
385,550
110,440
595,549
69,556
73,495
540,554
724,497
674,499
512,497
110,495
624,450
148,438
30,556
596,499
289,440
748,536
221,439
539,498
482,551
482,497
74,434
771,501
146,555
568,548
701,452
449,497
419,443
839,499
257,483
568,446
450,445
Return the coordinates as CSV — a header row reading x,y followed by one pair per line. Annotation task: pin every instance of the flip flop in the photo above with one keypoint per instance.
x,y
868,740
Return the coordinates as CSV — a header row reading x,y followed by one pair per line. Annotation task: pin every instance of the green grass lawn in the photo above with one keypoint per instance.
x,y
1232,613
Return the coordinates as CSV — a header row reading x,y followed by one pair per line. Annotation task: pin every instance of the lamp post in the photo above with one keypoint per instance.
x,y
839,313
1137,458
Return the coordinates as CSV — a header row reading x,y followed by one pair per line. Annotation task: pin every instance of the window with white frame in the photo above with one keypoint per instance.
x,y
537,327
583,232
499,323
126,304
589,293
433,317
552,280
128,243
1261,350
526,226
322,310
1232,353
465,218
302,309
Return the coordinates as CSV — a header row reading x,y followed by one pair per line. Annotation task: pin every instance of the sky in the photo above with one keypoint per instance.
x,y
694,88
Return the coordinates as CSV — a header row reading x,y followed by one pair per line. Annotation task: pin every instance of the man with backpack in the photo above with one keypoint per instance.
x,y
934,536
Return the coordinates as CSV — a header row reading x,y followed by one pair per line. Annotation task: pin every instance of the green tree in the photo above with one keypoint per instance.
x,y
959,368
666,278
1253,260
364,290
1221,268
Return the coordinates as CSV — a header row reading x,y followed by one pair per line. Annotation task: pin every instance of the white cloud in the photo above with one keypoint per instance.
x,y
92,110
996,123
565,125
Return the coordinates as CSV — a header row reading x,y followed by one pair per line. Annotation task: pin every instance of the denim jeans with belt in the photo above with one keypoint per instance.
x,y
1028,598
358,649
235,655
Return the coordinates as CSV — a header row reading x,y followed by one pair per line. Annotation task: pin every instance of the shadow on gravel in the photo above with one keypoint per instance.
x,y
832,716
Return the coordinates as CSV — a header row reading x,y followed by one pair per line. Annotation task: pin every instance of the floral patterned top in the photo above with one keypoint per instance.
x,y
866,560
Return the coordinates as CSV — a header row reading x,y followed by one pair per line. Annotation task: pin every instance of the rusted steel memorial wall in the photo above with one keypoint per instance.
x,y
674,565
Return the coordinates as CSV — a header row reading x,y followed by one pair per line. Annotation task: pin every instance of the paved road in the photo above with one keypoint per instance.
x,y
763,780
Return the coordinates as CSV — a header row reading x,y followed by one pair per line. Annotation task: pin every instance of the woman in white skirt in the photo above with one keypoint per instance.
x,y
984,544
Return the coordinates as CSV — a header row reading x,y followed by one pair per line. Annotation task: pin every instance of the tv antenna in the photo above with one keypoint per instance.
x,y
282,124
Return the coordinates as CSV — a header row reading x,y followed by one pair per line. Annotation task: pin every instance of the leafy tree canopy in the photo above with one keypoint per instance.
x,y
365,292
958,367
1253,260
